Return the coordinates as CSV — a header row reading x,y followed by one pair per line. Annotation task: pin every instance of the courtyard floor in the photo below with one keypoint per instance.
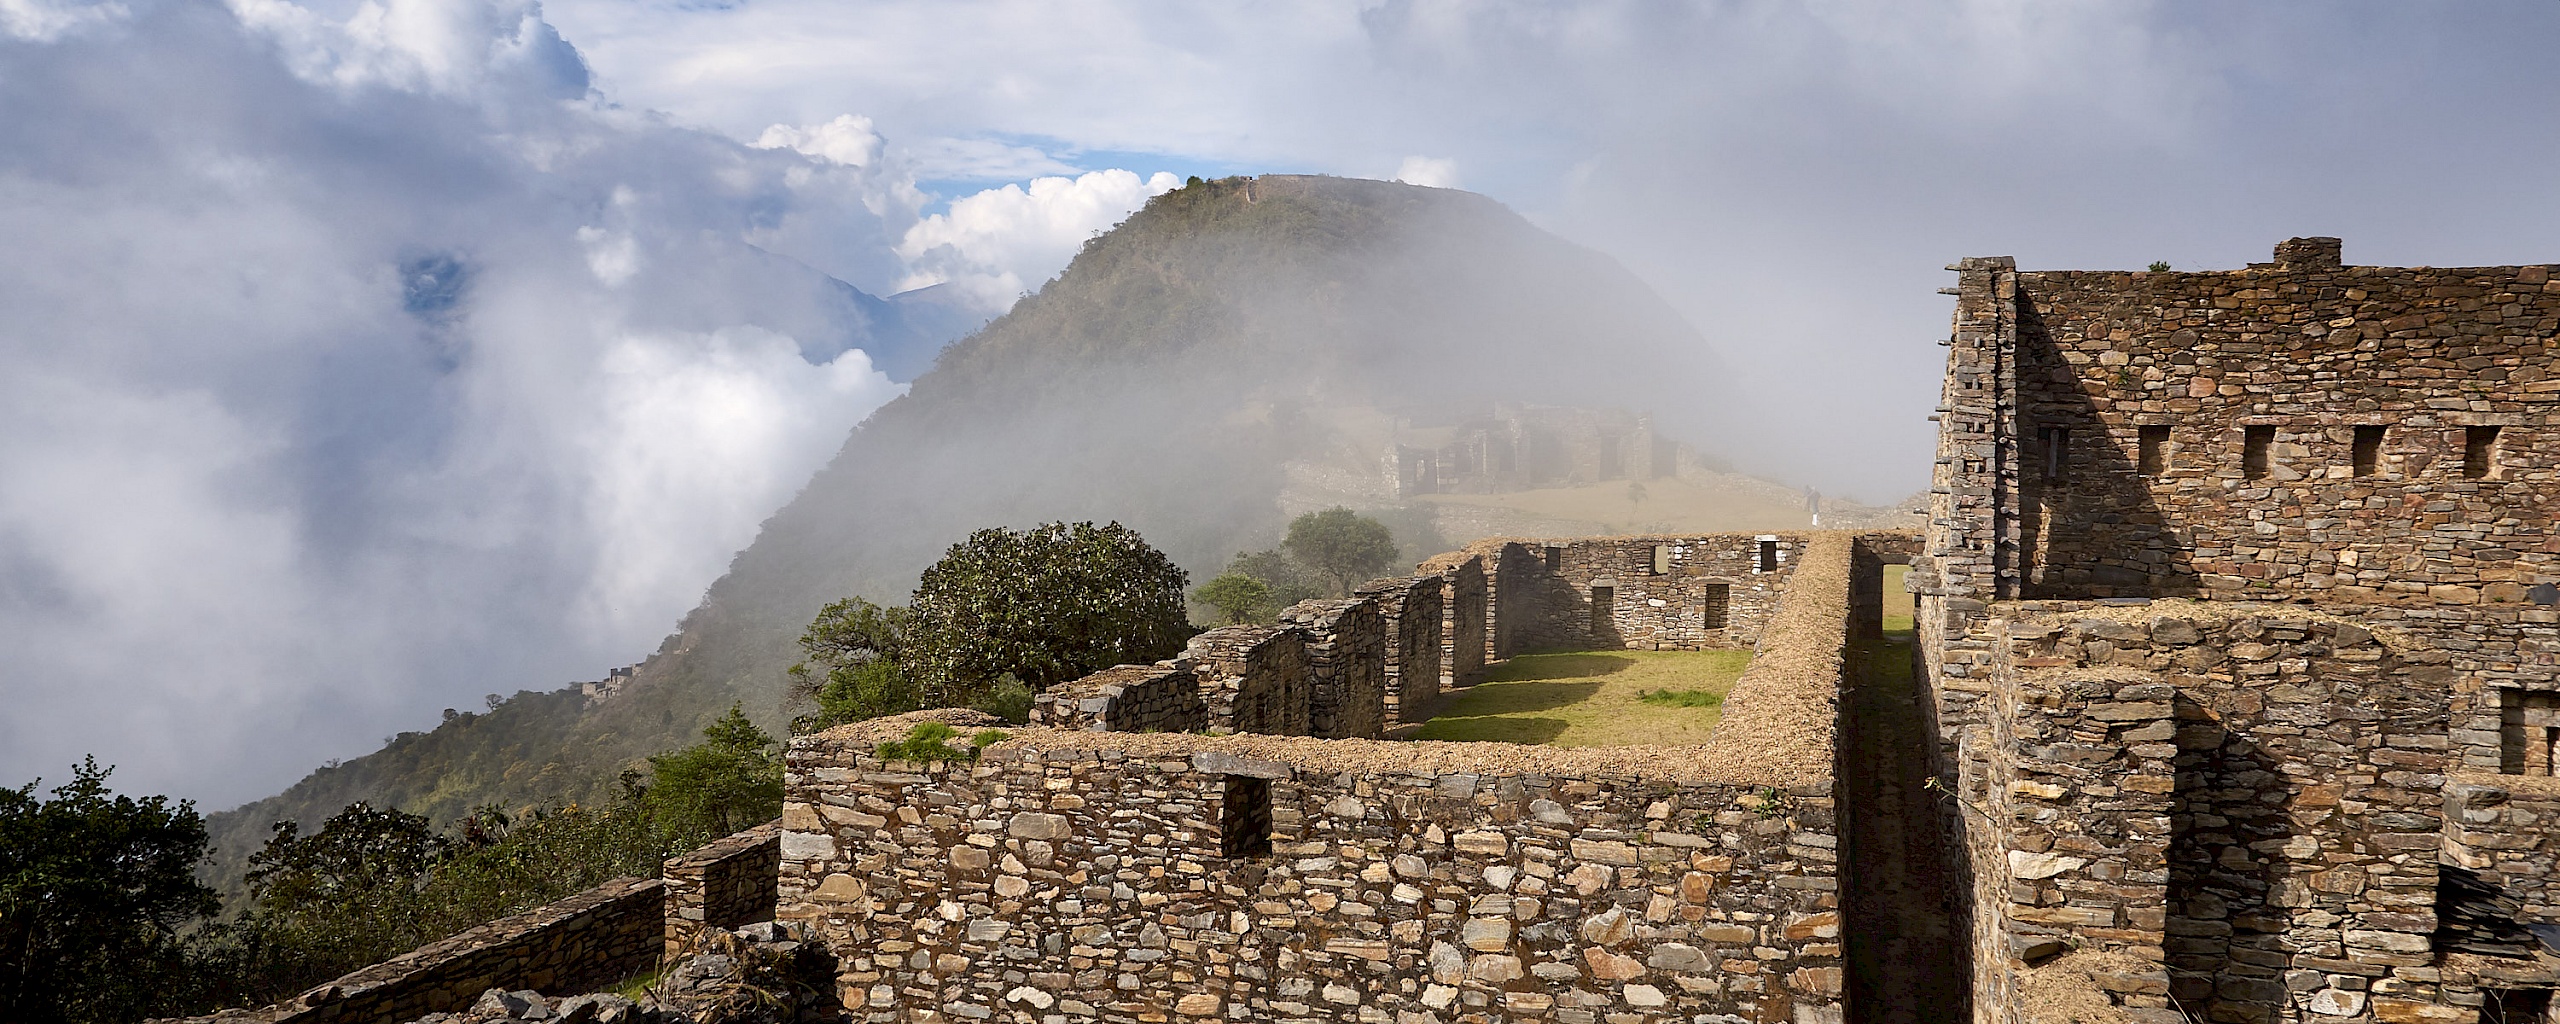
x,y
1592,699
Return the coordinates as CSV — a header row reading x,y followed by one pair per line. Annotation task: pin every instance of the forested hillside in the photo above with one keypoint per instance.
x,y
1161,381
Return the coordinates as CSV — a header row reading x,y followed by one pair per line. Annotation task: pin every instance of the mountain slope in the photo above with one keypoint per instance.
x,y
1162,381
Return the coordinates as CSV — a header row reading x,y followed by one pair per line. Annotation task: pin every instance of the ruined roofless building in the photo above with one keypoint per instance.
x,y
2238,700
2238,614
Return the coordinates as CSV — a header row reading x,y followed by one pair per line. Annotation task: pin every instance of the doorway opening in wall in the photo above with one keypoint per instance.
x,y
1604,601
2515,1006
2368,451
1244,818
2479,452
2254,443
2153,449
1716,604
1768,560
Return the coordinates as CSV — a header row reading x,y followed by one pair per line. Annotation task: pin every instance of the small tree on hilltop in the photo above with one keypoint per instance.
x,y
1045,605
1235,595
1345,547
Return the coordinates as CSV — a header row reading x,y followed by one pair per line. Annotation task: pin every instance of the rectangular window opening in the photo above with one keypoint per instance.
x,y
2479,452
1662,559
2057,445
1244,818
2254,443
2515,1006
1555,558
2368,453
1768,560
1604,602
2154,449
1717,603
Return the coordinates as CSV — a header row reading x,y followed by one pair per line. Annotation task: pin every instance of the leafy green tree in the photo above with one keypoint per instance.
x,y
94,888
729,781
1047,604
1235,595
1289,580
850,665
1343,546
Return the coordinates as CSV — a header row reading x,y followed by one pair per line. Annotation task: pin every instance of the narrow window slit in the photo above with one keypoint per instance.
x,y
2479,452
2254,443
2368,453
1244,818
2057,445
2154,449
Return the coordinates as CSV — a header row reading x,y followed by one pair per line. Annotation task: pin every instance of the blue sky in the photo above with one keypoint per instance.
x,y
368,355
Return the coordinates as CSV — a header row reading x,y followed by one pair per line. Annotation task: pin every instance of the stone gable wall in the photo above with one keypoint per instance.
x,y
1542,592
1346,666
1464,642
1254,678
1089,882
1410,606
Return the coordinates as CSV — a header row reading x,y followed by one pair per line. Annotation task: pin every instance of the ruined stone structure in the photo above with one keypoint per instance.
x,y
1076,872
2237,699
1524,447
2237,607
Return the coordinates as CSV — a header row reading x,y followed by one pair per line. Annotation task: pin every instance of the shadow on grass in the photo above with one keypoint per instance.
x,y
1513,698
1578,665
1493,730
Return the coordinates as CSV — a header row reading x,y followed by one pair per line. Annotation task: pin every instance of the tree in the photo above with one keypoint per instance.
x,y
1290,582
1047,604
1345,547
1235,595
729,781
850,667
93,890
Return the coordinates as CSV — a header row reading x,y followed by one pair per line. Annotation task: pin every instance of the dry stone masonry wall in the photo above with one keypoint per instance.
x,y
1097,883
2247,802
1128,698
1411,608
1254,679
1346,666
722,885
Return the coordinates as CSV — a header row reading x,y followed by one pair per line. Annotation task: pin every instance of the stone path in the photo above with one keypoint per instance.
x,y
1907,951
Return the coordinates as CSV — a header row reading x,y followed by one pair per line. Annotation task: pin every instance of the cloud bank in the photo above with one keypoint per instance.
x,y
361,363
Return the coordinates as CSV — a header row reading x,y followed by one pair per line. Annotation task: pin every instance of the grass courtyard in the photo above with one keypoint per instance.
x,y
1593,699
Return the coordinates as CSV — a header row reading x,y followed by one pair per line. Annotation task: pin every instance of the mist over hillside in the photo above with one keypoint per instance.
x,y
1164,380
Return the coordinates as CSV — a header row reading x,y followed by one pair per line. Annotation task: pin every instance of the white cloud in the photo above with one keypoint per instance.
x,y
1000,243
47,20
1427,171
848,140
338,390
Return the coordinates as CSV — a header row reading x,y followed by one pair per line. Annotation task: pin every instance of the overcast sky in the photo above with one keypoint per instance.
x,y
360,359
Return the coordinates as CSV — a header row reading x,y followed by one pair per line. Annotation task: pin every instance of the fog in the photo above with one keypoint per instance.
x,y
363,358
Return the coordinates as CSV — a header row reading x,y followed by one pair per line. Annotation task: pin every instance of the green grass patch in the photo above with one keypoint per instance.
x,y
1593,699
1899,605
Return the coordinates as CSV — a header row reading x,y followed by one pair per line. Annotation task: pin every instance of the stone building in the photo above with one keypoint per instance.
x,y
2237,610
1520,447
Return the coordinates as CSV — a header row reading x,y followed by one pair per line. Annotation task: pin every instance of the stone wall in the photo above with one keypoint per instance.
x,y
2303,352
1648,593
1346,643
722,885
1410,606
587,941
1089,876
2247,795
1464,642
1253,679
1164,697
